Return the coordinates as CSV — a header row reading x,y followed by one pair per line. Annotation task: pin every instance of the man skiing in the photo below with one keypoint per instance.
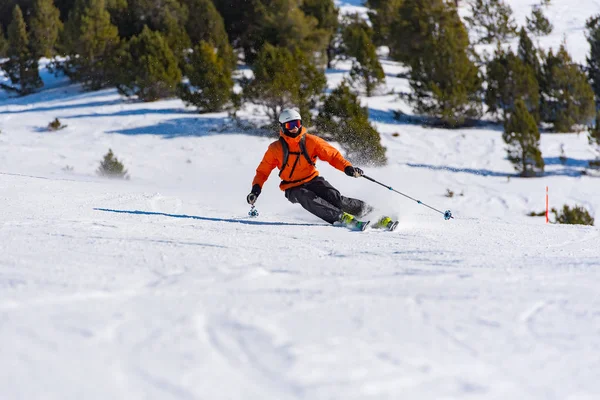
x,y
295,154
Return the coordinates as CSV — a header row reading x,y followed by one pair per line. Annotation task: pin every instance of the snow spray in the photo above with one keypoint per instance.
x,y
447,214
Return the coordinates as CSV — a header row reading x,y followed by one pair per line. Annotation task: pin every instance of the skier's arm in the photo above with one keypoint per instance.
x,y
330,154
268,163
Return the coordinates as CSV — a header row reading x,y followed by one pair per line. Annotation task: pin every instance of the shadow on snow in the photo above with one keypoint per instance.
x,y
65,107
193,126
481,172
573,168
141,111
230,220
395,117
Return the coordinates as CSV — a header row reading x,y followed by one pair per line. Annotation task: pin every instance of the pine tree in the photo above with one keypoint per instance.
x,y
342,119
577,215
285,25
21,66
537,23
150,69
412,29
163,16
45,27
528,53
64,6
281,23
168,17
243,21
111,167
7,7
594,140
491,20
366,68
206,24
382,14
568,98
430,37
3,43
210,82
522,136
275,83
326,13
509,79
283,79
175,35
91,45
312,83
593,59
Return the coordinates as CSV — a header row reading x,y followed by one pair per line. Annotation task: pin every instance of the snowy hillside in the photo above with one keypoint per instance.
x,y
161,286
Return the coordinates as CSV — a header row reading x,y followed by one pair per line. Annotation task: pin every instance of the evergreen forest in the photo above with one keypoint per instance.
x,y
194,50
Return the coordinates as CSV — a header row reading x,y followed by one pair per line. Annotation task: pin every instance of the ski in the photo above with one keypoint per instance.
x,y
361,226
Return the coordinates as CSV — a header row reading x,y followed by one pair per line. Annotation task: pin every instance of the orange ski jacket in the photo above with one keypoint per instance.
x,y
297,169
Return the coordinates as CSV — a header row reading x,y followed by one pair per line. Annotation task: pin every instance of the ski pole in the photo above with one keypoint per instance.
x,y
447,214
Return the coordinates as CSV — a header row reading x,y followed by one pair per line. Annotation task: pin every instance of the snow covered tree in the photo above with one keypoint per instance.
x,y
342,119
491,20
45,26
430,37
366,69
91,41
509,79
210,83
22,65
522,136
567,97
148,67
283,79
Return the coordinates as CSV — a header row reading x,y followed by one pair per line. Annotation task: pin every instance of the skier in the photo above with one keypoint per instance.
x,y
295,154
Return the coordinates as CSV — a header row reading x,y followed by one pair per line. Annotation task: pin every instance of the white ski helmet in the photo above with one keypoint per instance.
x,y
288,115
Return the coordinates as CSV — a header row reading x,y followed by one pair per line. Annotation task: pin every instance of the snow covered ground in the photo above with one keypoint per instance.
x,y
161,287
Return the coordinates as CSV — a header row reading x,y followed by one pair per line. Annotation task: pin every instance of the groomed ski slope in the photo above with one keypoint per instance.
x,y
161,287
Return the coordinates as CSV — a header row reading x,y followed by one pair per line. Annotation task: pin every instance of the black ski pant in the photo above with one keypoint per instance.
x,y
323,200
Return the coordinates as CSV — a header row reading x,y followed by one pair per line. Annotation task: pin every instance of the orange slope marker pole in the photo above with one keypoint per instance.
x,y
546,204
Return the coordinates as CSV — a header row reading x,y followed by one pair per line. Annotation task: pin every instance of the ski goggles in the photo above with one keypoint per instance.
x,y
292,124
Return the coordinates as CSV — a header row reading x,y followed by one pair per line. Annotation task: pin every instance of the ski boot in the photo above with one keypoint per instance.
x,y
351,222
386,223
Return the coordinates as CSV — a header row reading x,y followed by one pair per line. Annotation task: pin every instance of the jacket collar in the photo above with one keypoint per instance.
x,y
291,140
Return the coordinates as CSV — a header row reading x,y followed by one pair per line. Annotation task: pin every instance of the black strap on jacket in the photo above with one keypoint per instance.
x,y
287,152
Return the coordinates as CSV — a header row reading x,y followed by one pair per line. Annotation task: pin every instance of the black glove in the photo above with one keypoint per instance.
x,y
353,171
251,198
